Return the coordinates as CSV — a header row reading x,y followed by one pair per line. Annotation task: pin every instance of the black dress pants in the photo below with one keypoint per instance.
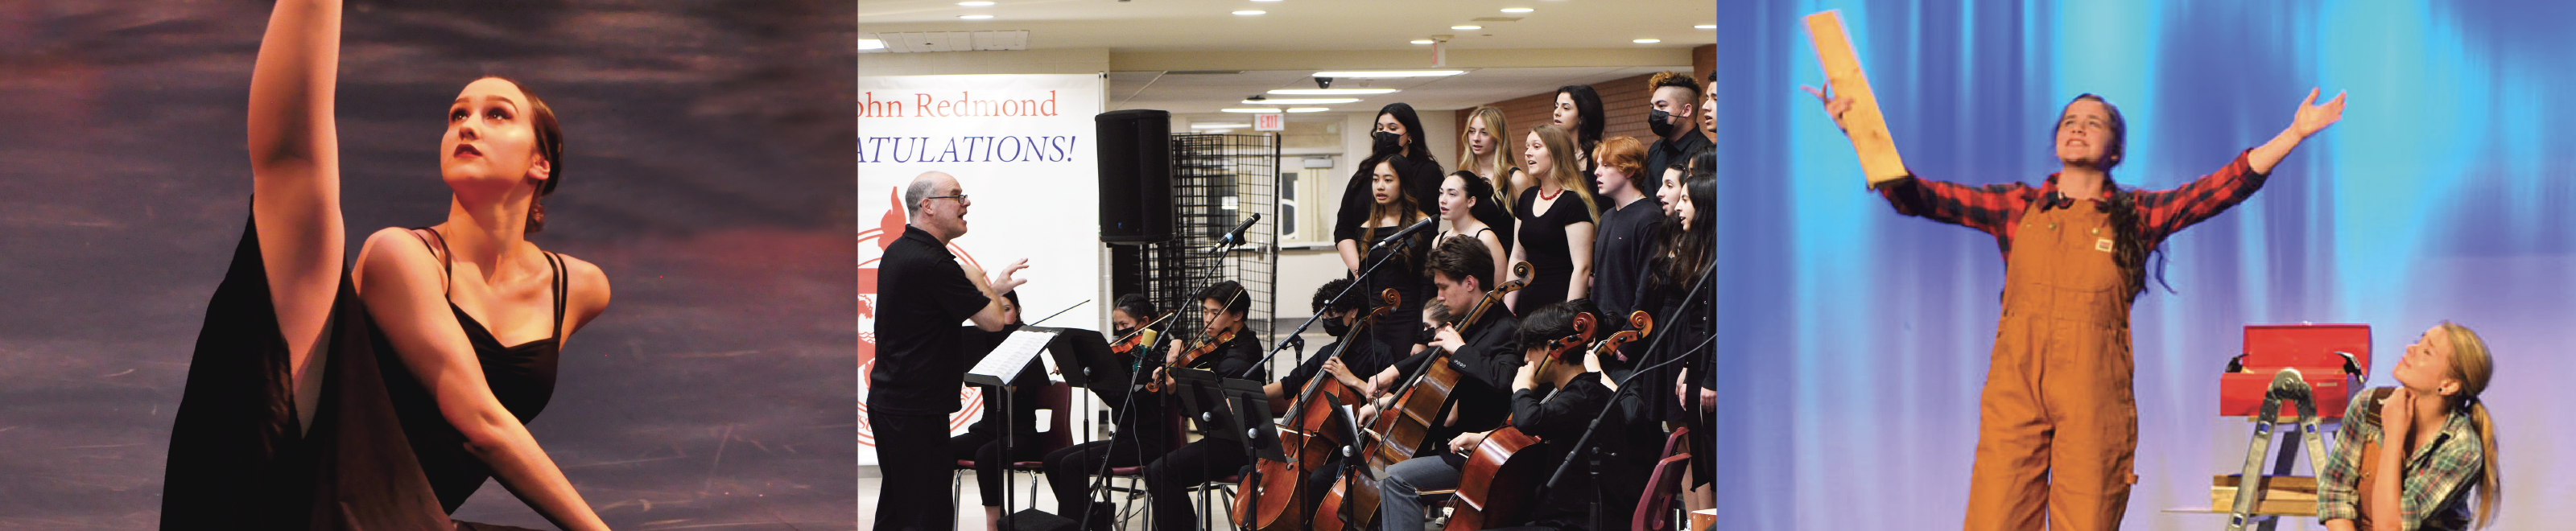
x,y
912,450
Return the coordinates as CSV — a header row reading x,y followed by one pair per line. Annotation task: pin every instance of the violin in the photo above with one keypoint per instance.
x,y
1197,351
1496,486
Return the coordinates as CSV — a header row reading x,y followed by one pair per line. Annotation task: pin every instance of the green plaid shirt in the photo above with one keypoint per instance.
x,y
2436,478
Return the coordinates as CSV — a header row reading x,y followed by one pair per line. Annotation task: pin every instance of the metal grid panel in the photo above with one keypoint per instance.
x,y
1216,180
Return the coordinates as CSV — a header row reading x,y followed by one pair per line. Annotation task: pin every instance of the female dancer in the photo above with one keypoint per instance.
x,y
1555,232
420,394
1462,194
2409,455
2058,424
1398,133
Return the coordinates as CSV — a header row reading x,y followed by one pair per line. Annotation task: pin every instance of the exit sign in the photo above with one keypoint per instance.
x,y
1270,122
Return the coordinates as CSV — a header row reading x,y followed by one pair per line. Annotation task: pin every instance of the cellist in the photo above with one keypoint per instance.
x,y
1461,272
1234,353
1347,350
1554,398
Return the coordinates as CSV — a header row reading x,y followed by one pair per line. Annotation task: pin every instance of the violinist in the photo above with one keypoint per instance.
x,y
1139,434
1554,396
1226,348
1461,271
1132,314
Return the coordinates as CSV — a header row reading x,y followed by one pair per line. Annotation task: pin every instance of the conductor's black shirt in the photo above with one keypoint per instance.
x,y
922,296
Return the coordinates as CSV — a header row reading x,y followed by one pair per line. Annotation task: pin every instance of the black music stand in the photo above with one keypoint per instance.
x,y
1221,406
1006,364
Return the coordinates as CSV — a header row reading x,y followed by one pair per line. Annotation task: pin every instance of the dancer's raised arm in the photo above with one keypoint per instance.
x,y
295,178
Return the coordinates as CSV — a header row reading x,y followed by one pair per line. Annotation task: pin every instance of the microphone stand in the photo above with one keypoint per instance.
x,y
1400,244
1581,444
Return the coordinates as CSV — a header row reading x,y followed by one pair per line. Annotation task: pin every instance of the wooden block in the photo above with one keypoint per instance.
x,y
1867,127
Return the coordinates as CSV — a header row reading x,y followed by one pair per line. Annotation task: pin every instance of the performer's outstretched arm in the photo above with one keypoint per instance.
x,y
1988,208
2310,119
400,283
295,178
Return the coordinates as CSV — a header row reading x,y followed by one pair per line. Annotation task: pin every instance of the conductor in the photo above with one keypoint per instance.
x,y
925,292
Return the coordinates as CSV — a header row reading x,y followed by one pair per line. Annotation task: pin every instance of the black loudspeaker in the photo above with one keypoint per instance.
x,y
1135,154
1036,520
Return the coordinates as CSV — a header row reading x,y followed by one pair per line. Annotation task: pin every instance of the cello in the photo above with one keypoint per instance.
x,y
1498,486
1307,440
1398,431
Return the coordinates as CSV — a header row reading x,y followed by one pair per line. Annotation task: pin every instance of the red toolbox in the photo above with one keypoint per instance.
x,y
2332,358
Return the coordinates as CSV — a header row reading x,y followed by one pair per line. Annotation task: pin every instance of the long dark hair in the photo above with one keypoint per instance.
x,y
1587,104
1692,250
1406,204
2131,251
549,144
1412,128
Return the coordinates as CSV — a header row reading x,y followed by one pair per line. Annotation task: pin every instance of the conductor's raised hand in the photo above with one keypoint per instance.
x,y
1835,105
1004,283
2313,117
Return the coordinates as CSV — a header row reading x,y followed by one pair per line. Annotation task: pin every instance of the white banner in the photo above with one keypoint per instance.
x,y
1021,146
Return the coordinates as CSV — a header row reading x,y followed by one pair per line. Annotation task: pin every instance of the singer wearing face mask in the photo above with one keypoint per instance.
x,y
1674,118
2058,421
1398,132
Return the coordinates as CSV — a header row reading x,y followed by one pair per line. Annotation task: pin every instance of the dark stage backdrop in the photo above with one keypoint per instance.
x,y
707,172
1858,339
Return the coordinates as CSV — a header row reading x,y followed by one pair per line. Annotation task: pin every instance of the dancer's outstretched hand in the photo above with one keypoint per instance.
x,y
2313,117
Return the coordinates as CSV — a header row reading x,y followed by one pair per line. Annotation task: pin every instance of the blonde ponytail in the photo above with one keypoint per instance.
x,y
2474,366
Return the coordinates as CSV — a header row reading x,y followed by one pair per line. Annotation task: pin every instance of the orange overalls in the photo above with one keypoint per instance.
x,y
2058,426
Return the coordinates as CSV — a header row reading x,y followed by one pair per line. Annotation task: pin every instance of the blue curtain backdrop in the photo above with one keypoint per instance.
x,y
1856,340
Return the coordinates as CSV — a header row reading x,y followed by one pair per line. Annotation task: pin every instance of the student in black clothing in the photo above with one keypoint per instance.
x,y
1467,210
1485,356
1689,249
1140,429
1554,399
1631,231
1334,360
1225,305
982,443
1398,134
1675,100
924,293
1392,206
1557,221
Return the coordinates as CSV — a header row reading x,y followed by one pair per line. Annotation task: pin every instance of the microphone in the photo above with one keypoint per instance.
x,y
1235,237
1425,224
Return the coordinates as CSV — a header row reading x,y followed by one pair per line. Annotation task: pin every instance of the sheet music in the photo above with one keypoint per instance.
x,y
1006,360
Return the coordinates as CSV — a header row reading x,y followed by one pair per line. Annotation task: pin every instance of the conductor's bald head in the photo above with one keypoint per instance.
x,y
937,205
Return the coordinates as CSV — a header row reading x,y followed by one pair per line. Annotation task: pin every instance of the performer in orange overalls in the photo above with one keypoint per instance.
x,y
2057,428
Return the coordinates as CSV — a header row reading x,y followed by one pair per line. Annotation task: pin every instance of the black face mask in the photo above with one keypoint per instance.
x,y
1335,328
1661,122
1121,332
1386,143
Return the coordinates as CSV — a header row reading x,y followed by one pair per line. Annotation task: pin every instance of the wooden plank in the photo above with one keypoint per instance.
x,y
1866,126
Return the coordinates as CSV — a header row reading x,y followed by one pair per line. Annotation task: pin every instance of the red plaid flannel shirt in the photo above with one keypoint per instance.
x,y
1997,208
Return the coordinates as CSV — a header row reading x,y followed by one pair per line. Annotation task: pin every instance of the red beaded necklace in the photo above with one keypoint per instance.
x,y
1544,196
